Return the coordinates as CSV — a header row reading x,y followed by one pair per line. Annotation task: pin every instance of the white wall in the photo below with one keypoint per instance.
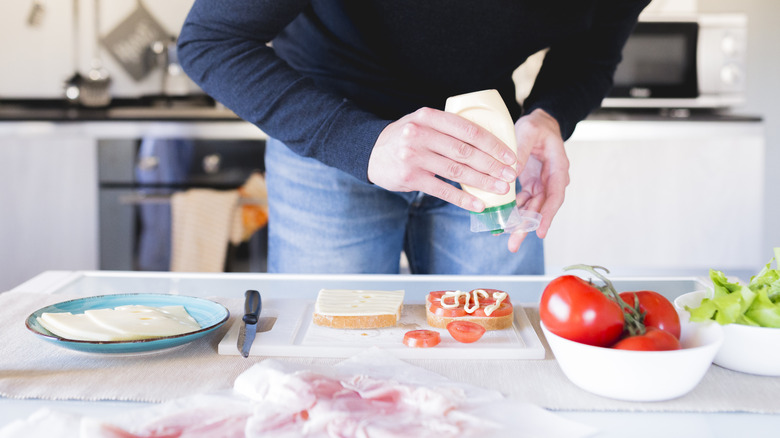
x,y
763,96
38,59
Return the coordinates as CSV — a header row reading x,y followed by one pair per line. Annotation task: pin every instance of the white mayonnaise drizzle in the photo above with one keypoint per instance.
x,y
476,294
455,295
471,296
499,297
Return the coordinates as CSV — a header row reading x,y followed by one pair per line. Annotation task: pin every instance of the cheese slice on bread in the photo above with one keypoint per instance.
x,y
358,309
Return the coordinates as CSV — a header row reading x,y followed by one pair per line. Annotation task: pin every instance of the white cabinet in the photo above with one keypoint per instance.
x,y
669,198
48,204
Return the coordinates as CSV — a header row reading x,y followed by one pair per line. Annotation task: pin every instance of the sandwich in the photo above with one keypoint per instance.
x,y
490,308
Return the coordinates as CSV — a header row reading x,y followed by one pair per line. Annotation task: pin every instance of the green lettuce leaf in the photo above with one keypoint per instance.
x,y
757,303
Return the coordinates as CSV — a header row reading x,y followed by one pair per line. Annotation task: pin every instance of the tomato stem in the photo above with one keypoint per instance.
x,y
632,316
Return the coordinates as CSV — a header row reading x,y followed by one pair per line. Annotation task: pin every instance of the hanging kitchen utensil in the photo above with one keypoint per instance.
x,y
95,85
73,84
37,11
129,42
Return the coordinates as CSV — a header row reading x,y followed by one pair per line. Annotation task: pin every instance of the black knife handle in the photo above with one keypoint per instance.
x,y
252,306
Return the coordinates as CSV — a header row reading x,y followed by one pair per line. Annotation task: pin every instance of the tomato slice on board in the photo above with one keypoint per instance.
x,y
465,331
422,338
503,310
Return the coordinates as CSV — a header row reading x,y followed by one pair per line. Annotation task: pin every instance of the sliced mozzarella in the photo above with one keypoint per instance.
x,y
76,327
123,323
139,322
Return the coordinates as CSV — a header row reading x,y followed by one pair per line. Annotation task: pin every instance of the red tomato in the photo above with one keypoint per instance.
x,y
658,311
422,338
577,310
654,339
465,331
503,309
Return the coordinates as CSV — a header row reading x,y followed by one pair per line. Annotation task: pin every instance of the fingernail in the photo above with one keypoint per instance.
x,y
477,205
501,186
508,158
508,174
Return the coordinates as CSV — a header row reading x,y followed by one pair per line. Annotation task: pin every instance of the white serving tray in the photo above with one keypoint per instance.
x,y
294,334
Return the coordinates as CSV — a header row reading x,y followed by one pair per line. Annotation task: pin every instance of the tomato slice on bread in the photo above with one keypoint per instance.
x,y
503,309
448,312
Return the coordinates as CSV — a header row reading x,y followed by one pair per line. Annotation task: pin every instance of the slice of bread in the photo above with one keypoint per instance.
x,y
494,322
358,309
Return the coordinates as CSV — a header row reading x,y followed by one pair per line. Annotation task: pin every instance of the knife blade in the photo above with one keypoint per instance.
x,y
246,335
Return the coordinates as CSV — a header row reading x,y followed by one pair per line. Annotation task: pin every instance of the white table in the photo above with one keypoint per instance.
x,y
525,289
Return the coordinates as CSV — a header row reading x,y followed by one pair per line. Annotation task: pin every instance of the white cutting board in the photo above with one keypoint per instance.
x,y
294,334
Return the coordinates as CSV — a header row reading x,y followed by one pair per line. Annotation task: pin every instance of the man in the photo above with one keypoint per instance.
x,y
362,163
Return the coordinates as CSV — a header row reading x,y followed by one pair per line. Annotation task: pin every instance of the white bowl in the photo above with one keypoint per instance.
x,y
747,349
639,375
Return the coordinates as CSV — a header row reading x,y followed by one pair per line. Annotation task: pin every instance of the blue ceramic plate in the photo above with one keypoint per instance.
x,y
210,316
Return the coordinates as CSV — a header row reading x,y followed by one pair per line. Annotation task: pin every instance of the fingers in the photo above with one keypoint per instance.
x,y
515,240
450,160
556,187
449,193
479,138
467,142
410,152
429,141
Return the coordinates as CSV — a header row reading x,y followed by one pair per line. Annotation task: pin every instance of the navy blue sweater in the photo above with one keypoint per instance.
x,y
327,76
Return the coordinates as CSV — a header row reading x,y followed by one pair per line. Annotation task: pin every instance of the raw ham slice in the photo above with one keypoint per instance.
x,y
318,405
370,395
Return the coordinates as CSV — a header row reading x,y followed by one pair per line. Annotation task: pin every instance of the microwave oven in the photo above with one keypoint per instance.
x,y
683,62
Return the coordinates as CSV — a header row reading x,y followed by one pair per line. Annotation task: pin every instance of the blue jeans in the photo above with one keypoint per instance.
x,y
322,220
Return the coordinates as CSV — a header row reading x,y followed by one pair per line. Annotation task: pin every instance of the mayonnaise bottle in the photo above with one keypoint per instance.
x,y
487,109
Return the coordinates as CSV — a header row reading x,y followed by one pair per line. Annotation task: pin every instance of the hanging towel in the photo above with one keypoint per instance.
x,y
252,213
201,225
172,158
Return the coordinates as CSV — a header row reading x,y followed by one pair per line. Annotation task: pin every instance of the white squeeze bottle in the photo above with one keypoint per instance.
x,y
487,109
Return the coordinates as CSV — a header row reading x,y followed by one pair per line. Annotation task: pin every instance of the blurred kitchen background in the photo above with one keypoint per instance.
x,y
102,135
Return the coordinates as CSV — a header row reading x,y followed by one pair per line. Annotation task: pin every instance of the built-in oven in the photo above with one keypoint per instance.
x,y
137,178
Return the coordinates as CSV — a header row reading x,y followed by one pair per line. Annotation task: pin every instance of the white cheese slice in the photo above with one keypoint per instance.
x,y
139,322
76,327
123,323
351,302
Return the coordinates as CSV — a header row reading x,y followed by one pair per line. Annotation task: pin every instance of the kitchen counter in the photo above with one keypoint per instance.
x,y
197,108
685,417
196,117
202,108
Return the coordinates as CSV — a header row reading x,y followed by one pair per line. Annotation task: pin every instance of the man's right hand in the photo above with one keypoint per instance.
x,y
410,152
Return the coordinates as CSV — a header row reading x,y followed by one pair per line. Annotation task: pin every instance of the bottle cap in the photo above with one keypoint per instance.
x,y
506,218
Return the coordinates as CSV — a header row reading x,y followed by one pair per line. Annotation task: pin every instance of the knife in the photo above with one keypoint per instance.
x,y
246,334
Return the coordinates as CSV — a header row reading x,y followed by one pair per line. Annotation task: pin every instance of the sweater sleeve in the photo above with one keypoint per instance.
x,y
577,73
224,47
